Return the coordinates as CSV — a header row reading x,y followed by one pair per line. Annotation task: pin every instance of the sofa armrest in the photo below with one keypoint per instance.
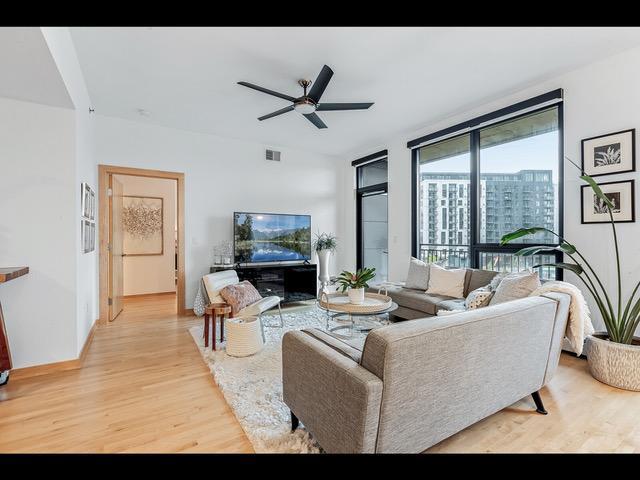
x,y
336,399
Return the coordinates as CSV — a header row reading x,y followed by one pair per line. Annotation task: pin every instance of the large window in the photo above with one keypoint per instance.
x,y
472,188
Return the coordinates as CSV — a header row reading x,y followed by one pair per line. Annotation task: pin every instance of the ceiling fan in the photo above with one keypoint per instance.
x,y
309,103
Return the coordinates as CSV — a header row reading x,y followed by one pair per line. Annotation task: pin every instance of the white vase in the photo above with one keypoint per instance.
x,y
356,295
323,265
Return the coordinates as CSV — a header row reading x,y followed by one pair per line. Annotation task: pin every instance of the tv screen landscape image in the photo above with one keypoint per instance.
x,y
267,237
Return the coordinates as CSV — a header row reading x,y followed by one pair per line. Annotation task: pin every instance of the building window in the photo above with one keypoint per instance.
x,y
517,180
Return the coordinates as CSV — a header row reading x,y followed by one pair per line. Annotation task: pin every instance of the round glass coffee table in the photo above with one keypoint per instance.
x,y
352,323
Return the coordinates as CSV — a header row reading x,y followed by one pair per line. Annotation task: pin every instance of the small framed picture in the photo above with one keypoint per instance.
x,y
608,154
88,236
621,194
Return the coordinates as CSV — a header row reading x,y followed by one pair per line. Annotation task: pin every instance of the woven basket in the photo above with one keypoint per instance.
x,y
339,302
244,336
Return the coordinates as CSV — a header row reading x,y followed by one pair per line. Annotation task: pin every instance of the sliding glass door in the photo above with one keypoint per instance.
x,y
372,226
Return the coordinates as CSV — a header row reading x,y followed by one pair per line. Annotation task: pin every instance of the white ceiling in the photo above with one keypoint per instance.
x,y
28,71
186,77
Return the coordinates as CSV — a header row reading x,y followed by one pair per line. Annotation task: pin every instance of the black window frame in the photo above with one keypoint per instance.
x,y
473,128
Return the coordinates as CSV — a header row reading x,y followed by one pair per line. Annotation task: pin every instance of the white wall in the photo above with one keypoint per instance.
x,y
600,98
64,54
223,176
38,228
152,273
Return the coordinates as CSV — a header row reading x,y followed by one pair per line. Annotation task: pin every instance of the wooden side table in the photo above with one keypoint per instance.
x,y
212,312
6,275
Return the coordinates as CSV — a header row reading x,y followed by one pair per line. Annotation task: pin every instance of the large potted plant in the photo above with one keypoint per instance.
x,y
355,283
613,355
324,245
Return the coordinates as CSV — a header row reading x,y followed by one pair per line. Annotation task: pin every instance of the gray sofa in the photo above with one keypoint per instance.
x,y
416,383
417,304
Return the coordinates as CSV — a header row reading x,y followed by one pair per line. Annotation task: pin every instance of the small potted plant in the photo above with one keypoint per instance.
x,y
324,245
355,283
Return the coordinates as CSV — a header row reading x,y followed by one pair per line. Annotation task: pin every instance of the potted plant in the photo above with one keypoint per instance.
x,y
324,244
355,283
613,355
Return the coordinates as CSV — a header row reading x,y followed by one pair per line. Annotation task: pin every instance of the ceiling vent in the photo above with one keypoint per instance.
x,y
273,155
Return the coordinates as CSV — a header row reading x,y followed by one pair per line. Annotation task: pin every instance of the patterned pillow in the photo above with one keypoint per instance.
x,y
240,295
480,297
199,303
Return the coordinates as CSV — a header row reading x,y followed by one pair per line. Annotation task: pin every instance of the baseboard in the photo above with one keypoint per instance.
x,y
188,312
65,365
142,295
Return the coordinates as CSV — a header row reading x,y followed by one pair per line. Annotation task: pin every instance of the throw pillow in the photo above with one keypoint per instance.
x,y
418,276
496,281
446,282
240,295
514,286
478,298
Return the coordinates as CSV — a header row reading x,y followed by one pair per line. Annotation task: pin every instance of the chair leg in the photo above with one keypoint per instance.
x,y
538,401
280,312
294,422
264,338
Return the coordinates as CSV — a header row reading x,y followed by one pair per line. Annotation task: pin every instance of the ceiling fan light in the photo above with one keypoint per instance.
x,y
305,107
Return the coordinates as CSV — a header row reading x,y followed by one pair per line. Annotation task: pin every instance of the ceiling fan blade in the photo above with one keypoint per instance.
x,y
315,119
326,107
276,113
318,87
266,90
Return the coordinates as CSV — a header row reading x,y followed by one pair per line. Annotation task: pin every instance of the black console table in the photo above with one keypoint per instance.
x,y
291,282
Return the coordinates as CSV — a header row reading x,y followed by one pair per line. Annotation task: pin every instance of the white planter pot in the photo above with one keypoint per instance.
x,y
356,295
323,266
613,363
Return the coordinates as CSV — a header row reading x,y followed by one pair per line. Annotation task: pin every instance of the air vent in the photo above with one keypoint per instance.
x,y
273,156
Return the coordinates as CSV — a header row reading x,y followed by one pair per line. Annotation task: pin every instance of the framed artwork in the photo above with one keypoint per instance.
x,y
608,154
87,201
622,194
142,225
88,235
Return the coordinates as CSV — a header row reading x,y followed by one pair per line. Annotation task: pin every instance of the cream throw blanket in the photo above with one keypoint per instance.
x,y
579,324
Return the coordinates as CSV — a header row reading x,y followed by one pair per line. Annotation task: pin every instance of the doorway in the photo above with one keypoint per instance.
x,y
141,249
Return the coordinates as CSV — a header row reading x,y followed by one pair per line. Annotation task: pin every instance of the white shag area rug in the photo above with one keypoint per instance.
x,y
252,385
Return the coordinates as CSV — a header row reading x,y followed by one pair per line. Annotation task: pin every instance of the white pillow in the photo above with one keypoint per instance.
x,y
515,286
446,282
418,276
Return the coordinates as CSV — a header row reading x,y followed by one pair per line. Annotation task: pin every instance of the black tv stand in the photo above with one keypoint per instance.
x,y
292,282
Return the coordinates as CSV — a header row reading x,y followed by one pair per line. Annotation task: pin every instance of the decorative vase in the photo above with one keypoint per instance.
x,y
323,265
615,364
356,295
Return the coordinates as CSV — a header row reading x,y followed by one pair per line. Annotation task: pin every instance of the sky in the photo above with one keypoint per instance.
x,y
539,152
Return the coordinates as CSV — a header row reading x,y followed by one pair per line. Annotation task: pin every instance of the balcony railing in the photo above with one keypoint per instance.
x,y
457,256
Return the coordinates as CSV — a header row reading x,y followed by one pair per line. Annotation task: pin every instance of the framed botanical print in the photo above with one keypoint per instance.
x,y
621,194
88,235
608,154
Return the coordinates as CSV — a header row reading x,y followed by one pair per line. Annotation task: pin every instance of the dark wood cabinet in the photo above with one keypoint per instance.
x,y
292,283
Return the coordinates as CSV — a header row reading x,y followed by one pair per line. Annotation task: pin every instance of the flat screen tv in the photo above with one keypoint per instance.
x,y
271,237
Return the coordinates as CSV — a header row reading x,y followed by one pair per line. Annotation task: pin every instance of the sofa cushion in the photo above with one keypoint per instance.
x,y
446,282
452,304
418,276
477,278
515,286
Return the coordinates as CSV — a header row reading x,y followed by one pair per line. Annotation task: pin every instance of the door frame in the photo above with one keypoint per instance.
x,y
104,174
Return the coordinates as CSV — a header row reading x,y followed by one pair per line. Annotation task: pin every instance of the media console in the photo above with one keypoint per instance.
x,y
291,282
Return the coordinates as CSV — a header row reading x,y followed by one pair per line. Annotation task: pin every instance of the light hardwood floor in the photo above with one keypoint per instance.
x,y
144,388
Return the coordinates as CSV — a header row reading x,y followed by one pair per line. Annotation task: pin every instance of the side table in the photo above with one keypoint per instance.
x,y
212,312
